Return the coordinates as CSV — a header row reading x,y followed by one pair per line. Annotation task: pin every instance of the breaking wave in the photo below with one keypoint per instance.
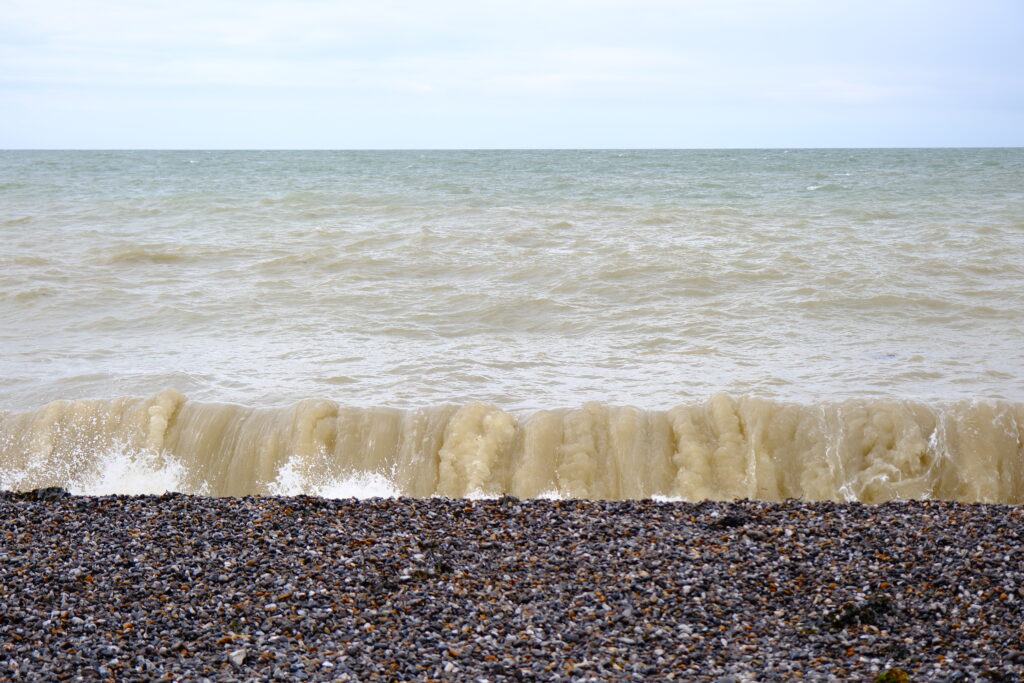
x,y
723,448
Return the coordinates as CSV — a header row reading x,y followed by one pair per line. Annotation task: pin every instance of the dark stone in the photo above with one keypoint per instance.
x,y
728,521
48,494
867,613
897,649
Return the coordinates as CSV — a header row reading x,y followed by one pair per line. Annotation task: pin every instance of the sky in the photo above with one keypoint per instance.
x,y
464,74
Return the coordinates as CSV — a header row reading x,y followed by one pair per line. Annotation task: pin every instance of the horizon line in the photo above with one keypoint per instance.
x,y
500,149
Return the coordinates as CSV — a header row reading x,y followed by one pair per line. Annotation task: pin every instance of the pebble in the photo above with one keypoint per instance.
x,y
176,586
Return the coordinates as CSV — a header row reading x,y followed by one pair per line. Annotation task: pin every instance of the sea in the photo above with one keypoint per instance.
x,y
834,324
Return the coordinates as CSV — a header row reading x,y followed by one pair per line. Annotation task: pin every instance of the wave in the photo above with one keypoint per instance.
x,y
133,255
723,448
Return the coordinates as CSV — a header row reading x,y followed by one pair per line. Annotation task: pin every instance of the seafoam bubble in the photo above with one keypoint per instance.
x,y
125,472
668,499
86,470
362,485
292,480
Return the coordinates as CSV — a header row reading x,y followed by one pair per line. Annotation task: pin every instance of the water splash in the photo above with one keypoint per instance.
x,y
293,479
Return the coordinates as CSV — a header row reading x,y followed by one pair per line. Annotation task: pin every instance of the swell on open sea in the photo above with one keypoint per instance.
x,y
819,324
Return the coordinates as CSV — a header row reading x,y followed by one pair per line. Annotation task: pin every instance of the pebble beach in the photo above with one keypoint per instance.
x,y
303,588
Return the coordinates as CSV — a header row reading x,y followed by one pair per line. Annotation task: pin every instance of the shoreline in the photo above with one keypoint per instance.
x,y
507,589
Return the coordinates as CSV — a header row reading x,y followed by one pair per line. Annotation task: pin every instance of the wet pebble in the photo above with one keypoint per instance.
x,y
137,588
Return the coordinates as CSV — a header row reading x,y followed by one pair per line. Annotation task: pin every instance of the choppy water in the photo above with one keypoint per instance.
x,y
396,291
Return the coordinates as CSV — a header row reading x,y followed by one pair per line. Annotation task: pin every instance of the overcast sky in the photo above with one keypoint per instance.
x,y
343,74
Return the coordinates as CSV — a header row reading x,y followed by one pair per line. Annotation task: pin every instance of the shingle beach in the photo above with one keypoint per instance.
x,y
178,586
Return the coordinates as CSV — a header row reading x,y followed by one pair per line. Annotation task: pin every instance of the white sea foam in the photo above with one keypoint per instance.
x,y
293,479
360,486
111,470
127,473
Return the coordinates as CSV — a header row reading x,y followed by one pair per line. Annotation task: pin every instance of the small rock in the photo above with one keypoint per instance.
x,y
892,676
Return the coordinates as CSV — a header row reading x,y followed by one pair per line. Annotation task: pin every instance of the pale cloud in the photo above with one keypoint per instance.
x,y
847,92
711,69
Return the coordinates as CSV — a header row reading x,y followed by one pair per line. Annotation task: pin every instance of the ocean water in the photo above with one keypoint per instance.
x,y
841,324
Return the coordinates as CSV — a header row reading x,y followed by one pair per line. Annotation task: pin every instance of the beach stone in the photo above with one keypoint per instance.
x,y
48,494
302,588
